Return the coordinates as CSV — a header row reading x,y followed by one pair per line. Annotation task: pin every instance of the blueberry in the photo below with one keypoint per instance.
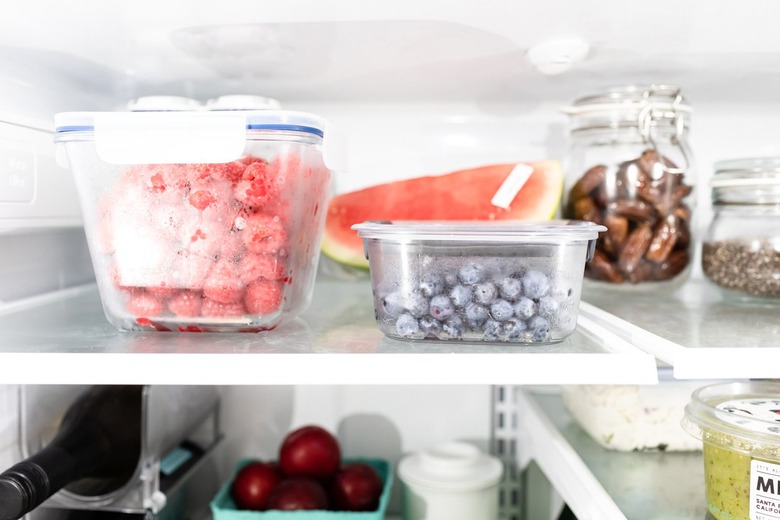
x,y
548,307
460,295
525,308
393,304
430,326
501,310
540,329
472,273
476,314
431,285
535,285
511,288
485,293
451,279
441,307
406,326
492,330
514,328
453,327
417,304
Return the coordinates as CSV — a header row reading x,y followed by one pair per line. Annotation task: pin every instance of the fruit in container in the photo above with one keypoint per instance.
x,y
310,474
310,451
465,195
253,484
356,486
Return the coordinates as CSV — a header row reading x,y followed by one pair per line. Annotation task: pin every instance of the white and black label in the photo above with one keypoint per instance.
x,y
764,490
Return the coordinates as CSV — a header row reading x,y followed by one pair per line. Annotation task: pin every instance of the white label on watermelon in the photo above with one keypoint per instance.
x,y
512,185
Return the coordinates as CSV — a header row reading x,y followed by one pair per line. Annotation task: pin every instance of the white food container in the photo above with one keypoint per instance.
x,y
451,481
633,417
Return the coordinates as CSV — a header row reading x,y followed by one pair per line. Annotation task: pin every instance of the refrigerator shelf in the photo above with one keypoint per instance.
x,y
599,483
65,338
697,331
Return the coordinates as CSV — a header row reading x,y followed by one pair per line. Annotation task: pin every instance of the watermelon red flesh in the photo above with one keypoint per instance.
x,y
460,195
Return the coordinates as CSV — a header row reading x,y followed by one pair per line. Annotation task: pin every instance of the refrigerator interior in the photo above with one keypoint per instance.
x,y
416,88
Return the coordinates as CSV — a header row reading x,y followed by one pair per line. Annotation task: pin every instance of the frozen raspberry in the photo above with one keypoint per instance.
x,y
257,186
186,303
268,267
223,284
201,199
217,171
142,303
214,309
264,233
263,297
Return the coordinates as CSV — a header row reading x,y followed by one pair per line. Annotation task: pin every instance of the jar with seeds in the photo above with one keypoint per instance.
x,y
741,248
630,169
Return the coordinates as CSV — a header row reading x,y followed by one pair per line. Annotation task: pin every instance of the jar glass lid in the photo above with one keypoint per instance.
x,y
630,98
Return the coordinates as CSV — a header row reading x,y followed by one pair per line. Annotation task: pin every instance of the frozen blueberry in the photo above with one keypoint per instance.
x,y
511,288
451,279
476,314
393,304
501,310
548,307
460,295
431,285
441,307
535,285
540,329
430,326
406,326
525,308
485,293
492,330
454,327
472,273
513,328
417,304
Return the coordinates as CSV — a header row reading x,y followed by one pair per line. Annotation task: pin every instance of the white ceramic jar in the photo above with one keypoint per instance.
x,y
450,481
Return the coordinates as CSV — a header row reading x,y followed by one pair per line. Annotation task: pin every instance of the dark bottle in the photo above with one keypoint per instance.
x,y
95,452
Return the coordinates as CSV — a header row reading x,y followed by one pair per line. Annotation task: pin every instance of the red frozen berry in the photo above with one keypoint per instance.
x,y
142,303
201,199
263,297
223,284
186,303
254,266
256,187
214,309
264,233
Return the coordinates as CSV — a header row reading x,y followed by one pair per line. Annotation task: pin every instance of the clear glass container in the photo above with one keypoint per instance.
x,y
630,168
741,248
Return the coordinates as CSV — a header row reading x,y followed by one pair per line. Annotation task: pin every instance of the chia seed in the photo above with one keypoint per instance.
x,y
742,267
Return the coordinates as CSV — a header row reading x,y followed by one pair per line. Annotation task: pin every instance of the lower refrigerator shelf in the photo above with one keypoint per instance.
x,y
598,483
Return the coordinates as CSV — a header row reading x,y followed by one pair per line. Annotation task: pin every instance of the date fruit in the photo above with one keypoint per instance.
x,y
642,204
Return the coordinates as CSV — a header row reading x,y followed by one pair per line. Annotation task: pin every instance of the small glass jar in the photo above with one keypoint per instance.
x,y
630,169
741,248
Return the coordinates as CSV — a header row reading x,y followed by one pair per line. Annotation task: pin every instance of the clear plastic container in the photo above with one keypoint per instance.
x,y
516,282
741,248
200,220
630,168
739,426
450,481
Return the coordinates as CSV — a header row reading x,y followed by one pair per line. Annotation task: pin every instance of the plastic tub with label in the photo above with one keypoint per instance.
x,y
739,426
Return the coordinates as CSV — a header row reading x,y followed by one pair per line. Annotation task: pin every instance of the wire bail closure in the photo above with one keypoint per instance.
x,y
650,115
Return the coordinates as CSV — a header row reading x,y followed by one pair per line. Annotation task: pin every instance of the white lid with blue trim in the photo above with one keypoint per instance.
x,y
191,136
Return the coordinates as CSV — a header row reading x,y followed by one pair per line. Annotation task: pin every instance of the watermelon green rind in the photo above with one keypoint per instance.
x,y
459,195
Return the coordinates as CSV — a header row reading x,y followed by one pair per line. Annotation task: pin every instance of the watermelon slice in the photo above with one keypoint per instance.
x,y
470,194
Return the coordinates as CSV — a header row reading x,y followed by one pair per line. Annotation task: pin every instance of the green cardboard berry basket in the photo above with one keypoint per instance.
x,y
223,507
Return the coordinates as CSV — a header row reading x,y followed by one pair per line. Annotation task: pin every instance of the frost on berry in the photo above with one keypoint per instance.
x,y
263,297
